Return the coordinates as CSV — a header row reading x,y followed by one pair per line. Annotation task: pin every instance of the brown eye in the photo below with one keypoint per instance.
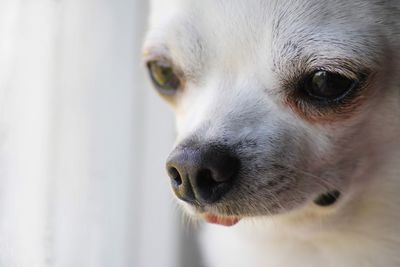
x,y
164,77
328,86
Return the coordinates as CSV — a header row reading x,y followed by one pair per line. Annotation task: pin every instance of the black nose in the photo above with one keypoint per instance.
x,y
202,175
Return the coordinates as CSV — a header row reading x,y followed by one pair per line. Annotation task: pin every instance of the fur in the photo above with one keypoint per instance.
x,y
240,61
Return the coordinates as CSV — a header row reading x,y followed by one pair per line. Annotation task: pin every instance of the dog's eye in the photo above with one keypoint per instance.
x,y
326,86
163,76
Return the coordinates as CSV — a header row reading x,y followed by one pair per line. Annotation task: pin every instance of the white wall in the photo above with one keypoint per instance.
x,y
83,139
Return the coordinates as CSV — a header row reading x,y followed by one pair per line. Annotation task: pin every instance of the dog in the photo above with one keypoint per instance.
x,y
288,127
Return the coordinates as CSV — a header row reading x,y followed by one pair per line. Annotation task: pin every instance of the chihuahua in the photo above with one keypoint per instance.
x,y
288,122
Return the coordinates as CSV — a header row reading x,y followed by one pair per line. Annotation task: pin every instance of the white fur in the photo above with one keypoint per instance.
x,y
230,52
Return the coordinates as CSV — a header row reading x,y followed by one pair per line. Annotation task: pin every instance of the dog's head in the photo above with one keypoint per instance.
x,y
280,105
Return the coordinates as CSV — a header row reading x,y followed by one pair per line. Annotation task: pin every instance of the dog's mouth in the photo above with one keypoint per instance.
x,y
220,219
324,200
328,199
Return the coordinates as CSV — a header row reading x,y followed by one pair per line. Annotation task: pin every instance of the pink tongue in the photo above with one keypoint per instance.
x,y
221,220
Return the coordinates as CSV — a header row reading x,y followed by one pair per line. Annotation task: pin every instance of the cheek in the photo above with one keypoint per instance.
x,y
334,154
314,145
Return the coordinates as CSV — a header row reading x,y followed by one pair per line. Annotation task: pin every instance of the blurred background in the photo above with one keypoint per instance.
x,y
83,139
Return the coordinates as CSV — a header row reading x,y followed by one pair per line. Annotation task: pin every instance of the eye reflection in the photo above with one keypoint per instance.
x,y
324,85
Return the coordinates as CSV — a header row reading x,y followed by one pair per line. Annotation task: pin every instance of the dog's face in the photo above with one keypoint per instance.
x,y
280,105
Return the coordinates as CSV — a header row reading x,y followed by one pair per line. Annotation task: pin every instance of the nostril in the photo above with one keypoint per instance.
x,y
175,176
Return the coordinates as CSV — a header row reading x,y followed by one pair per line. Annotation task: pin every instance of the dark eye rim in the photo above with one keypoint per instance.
x,y
305,94
165,91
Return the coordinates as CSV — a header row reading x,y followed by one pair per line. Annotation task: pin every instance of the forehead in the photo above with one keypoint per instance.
x,y
236,32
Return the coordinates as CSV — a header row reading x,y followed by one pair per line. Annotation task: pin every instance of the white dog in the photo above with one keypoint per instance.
x,y
288,118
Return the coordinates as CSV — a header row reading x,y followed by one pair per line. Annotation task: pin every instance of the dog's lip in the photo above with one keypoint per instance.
x,y
220,219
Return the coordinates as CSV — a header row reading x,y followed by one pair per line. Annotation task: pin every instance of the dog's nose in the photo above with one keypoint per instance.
x,y
202,175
